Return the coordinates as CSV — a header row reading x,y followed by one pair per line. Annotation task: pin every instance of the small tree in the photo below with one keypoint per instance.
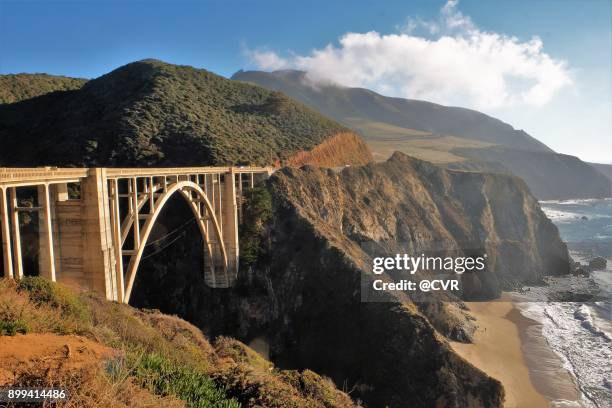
x,y
257,210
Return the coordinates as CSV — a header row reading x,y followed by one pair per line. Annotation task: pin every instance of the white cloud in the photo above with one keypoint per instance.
x,y
267,60
456,63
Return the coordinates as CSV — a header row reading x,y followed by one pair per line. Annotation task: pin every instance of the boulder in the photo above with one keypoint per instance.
x,y
598,263
581,271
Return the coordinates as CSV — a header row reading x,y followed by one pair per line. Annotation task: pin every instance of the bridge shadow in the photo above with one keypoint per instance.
x,y
170,277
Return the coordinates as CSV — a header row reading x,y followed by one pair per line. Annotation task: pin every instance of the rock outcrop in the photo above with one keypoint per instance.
x,y
409,206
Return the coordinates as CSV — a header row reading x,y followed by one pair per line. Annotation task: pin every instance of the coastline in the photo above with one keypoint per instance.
x,y
509,347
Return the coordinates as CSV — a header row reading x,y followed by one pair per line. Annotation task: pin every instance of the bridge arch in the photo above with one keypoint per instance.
x,y
215,247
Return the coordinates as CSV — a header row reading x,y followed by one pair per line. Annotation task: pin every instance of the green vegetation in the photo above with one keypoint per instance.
x,y
19,87
162,377
153,113
154,359
12,327
42,291
257,210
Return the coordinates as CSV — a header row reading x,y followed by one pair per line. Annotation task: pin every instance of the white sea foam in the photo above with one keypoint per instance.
x,y
565,404
563,215
584,348
554,214
580,333
583,313
576,201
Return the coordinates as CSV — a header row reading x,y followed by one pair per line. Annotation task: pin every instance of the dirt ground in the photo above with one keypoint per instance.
x,y
47,353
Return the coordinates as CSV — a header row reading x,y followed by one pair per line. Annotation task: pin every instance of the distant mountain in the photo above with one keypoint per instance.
x,y
153,113
552,176
366,110
18,87
456,137
605,169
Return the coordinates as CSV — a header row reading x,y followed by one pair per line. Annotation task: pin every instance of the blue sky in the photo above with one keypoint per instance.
x,y
89,38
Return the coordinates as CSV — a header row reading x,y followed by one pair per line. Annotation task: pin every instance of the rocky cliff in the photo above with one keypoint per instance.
x,y
343,149
302,294
409,206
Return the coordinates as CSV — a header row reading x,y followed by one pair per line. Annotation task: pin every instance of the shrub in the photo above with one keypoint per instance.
x,y
257,208
12,327
43,292
163,377
227,347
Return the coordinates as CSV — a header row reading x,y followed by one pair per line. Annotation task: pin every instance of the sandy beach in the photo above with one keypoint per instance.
x,y
503,349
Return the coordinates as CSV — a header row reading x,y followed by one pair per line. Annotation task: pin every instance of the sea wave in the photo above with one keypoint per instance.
x,y
583,313
581,333
584,347
577,201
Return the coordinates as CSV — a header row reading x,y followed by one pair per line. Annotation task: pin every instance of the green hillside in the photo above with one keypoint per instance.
x,y
153,113
362,109
18,87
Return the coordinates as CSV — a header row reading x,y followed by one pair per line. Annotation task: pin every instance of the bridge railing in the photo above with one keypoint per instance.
x,y
15,177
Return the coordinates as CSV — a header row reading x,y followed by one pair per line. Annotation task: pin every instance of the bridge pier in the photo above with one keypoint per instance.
x,y
98,250
14,216
47,241
7,255
230,222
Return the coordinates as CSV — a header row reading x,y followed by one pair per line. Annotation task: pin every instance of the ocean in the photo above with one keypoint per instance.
x,y
580,333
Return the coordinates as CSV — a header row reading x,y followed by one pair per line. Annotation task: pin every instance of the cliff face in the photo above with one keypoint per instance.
x,y
409,206
345,148
605,169
303,294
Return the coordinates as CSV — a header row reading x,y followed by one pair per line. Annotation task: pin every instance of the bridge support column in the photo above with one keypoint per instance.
x,y
116,225
98,250
6,235
230,224
46,257
18,267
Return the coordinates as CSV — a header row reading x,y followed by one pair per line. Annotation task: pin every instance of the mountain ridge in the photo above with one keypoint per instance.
x,y
153,113
19,87
474,125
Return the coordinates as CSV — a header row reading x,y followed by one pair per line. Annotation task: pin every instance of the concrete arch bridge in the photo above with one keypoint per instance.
x,y
94,223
